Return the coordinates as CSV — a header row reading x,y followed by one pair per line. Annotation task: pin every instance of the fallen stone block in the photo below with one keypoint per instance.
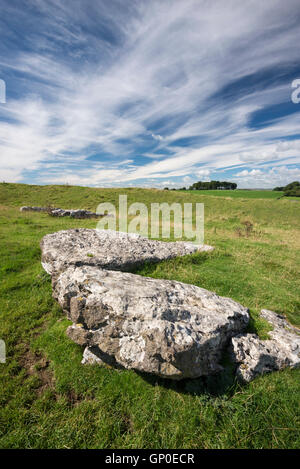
x,y
167,328
33,209
107,249
60,212
257,357
79,214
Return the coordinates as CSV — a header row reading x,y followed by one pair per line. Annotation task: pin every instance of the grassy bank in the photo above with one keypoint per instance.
x,y
49,400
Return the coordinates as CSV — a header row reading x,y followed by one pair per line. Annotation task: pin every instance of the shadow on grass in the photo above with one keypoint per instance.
x,y
218,385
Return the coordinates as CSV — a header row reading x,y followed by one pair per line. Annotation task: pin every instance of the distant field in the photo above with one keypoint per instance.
x,y
49,400
244,194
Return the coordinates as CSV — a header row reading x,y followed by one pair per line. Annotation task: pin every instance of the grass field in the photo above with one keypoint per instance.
x,y
244,194
49,400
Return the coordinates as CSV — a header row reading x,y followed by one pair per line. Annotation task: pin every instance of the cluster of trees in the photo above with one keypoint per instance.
x,y
213,185
208,186
290,190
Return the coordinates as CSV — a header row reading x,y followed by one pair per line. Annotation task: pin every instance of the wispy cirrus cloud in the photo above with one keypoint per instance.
x,y
118,93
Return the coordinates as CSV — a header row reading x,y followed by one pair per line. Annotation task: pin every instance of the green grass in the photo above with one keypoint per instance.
x,y
49,400
244,194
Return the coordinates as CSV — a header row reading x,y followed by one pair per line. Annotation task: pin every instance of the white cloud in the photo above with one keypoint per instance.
x,y
270,178
157,137
169,60
253,172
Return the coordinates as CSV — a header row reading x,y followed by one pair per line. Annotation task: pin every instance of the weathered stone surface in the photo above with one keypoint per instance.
x,y
107,249
60,212
256,357
162,327
33,209
168,328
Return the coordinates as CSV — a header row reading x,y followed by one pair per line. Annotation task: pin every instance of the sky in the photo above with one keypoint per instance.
x,y
147,93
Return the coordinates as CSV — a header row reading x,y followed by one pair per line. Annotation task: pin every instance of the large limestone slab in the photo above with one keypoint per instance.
x,y
168,328
256,357
107,249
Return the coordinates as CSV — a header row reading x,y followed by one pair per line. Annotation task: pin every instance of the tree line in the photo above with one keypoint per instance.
x,y
209,186
290,190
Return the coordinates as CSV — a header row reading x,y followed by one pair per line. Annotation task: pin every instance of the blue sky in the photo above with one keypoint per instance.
x,y
149,93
